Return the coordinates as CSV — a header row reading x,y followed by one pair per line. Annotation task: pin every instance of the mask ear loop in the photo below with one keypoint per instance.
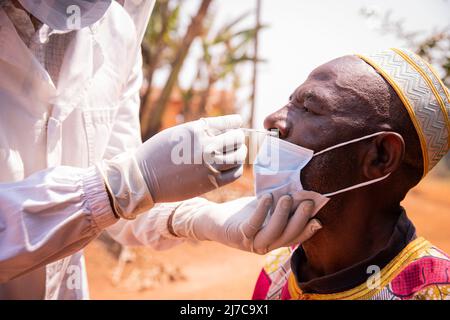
x,y
363,184
357,186
351,141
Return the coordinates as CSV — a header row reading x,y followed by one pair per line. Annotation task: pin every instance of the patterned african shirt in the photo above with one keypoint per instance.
x,y
419,271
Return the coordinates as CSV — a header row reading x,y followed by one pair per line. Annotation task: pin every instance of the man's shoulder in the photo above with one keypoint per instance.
x,y
427,275
273,276
278,258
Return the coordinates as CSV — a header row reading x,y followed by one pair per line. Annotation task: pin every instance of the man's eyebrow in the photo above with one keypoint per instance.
x,y
311,94
316,95
318,99
293,94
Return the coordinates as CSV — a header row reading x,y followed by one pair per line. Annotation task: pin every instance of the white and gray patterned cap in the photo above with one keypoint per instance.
x,y
424,96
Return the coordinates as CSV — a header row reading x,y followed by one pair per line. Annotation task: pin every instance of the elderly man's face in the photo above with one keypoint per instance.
x,y
330,107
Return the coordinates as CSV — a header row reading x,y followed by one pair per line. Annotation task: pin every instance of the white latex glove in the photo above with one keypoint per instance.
x,y
193,158
239,223
176,164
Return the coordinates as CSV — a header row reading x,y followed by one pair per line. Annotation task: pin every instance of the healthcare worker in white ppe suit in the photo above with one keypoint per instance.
x,y
72,162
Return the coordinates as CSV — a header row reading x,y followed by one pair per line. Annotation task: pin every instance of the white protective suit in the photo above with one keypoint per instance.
x,y
52,200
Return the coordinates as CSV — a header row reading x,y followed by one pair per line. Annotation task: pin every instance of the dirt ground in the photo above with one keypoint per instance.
x,y
213,271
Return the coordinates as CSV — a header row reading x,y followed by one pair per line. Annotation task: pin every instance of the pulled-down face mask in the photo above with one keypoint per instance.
x,y
64,15
279,163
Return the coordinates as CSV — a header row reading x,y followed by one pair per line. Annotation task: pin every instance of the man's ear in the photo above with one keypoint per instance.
x,y
384,156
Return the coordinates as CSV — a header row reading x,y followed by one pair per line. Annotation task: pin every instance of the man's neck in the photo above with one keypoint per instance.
x,y
351,233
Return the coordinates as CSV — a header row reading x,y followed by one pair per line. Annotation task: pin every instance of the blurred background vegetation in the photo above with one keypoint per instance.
x,y
224,50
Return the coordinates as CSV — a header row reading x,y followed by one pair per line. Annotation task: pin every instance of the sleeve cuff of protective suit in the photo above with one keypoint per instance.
x,y
163,213
190,216
97,199
126,185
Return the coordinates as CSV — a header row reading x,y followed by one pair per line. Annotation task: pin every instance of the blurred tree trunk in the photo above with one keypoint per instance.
x,y
255,64
151,59
188,97
152,120
204,97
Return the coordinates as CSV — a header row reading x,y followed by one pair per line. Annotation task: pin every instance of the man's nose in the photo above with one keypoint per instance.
x,y
278,121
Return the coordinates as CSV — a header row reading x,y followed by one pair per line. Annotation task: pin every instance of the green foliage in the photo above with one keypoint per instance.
x,y
433,47
162,36
224,50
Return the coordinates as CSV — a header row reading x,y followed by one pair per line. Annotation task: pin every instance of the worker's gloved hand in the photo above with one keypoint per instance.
x,y
176,164
193,158
241,223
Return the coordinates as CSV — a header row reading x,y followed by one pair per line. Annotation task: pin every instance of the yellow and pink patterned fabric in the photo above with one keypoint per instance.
x,y
419,271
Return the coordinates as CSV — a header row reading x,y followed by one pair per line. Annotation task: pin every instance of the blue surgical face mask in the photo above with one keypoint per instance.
x,y
279,163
